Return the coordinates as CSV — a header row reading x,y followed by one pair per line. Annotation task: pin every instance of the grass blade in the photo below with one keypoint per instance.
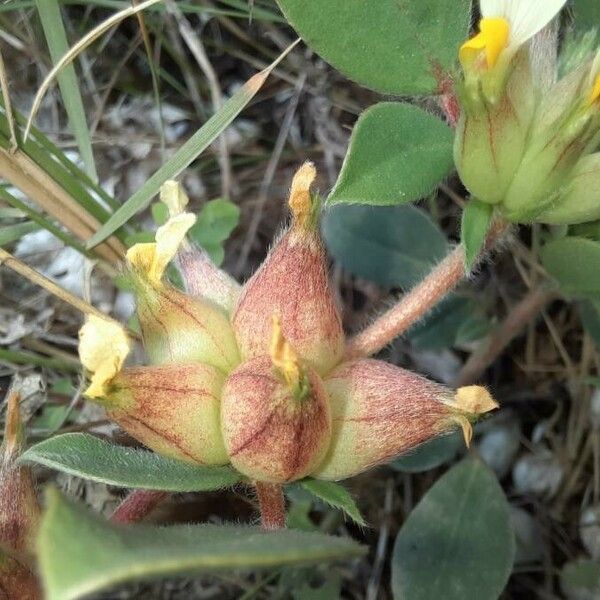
x,y
56,38
12,233
187,153
76,49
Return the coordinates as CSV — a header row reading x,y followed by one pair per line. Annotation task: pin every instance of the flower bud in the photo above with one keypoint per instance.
x,y
490,138
293,283
176,327
19,508
173,409
580,200
275,417
380,411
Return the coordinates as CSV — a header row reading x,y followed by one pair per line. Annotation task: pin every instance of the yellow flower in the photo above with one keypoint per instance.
x,y
505,26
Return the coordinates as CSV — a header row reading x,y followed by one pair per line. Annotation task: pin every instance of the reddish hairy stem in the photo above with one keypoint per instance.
x,y
518,318
137,506
272,505
418,301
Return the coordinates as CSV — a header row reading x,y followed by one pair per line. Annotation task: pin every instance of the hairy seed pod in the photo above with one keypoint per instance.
x,y
380,411
273,432
293,283
172,409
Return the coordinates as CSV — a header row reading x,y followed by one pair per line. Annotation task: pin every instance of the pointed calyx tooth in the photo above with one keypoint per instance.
x,y
286,361
475,400
301,202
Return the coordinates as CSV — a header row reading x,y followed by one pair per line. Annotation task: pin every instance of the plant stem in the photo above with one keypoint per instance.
x,y
518,318
137,506
272,505
418,301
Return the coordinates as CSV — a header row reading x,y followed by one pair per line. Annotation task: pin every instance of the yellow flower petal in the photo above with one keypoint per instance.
x,y
474,399
595,93
300,201
172,194
467,429
491,40
152,259
285,360
103,348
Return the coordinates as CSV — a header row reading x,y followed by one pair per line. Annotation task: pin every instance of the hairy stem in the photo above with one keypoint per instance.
x,y
518,318
272,505
418,301
137,506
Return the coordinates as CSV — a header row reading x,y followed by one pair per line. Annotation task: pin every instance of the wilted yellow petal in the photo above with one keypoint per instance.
x,y
595,93
474,399
300,201
152,259
491,39
467,429
103,348
172,194
284,359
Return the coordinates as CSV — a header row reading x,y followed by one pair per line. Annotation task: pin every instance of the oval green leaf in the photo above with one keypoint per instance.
x,y
392,46
79,553
392,246
89,457
398,153
458,542
476,219
580,579
430,455
573,262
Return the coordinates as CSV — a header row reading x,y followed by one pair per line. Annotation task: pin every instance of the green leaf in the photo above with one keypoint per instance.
x,y
458,542
56,38
456,320
335,495
573,262
581,579
160,213
398,153
392,46
179,161
89,457
79,553
13,233
589,311
217,219
476,219
393,246
430,455
587,15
